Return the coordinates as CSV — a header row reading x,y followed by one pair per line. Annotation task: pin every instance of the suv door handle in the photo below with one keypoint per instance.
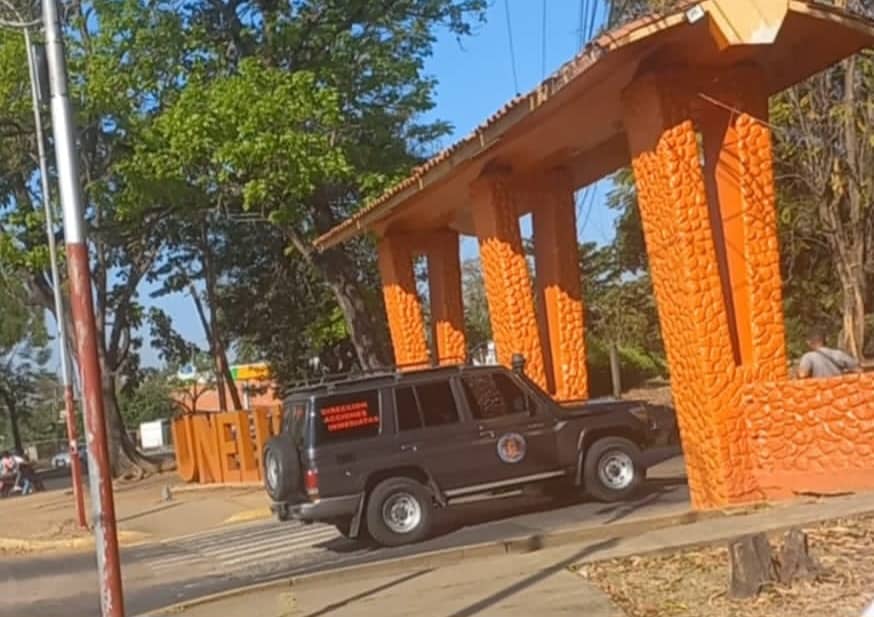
x,y
487,434
536,425
409,447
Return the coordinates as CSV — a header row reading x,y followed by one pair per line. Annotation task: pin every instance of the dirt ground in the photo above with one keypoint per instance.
x,y
694,583
654,392
46,521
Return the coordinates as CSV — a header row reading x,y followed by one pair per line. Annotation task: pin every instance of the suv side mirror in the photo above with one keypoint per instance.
x,y
518,363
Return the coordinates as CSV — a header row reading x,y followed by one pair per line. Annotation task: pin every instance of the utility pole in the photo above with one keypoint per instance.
x,y
81,303
66,369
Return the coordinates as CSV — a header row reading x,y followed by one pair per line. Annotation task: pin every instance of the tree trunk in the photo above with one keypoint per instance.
x,y
124,457
214,333
366,331
853,290
12,409
217,365
615,370
751,566
796,562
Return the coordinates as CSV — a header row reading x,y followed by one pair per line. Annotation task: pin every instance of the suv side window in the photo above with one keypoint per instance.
x,y
345,417
295,421
493,395
437,403
407,409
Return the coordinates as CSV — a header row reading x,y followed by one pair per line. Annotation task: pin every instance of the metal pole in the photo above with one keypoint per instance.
x,y
66,369
81,303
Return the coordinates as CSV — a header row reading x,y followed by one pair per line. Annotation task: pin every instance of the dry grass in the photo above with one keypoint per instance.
x,y
694,583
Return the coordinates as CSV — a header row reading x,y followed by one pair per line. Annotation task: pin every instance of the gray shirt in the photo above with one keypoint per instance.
x,y
826,362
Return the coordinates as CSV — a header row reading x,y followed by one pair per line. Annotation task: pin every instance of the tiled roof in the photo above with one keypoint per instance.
x,y
593,52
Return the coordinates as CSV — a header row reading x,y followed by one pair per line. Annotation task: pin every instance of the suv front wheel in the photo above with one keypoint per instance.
x,y
613,470
399,511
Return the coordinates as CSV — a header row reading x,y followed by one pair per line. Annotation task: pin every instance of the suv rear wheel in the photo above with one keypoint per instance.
x,y
281,469
612,469
399,511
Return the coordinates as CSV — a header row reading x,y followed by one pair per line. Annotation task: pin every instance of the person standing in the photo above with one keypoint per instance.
x,y
822,361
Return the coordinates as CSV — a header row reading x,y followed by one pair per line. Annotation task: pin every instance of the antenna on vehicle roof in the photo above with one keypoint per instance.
x,y
518,363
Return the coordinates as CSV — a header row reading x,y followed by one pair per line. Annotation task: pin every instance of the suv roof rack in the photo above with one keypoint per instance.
x,y
396,372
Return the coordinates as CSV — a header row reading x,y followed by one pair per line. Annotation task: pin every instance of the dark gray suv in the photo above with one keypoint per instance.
x,y
376,455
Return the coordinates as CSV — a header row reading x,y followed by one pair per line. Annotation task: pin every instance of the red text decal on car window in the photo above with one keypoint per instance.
x,y
348,416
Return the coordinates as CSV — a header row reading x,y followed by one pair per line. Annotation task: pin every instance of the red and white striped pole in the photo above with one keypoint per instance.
x,y
63,352
81,304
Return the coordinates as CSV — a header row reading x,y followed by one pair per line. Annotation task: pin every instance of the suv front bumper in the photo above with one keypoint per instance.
x,y
323,510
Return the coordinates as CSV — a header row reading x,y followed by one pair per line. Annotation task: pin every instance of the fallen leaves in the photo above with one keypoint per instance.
x,y
693,583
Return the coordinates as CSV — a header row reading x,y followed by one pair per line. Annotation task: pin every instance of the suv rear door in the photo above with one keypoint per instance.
x,y
431,432
348,439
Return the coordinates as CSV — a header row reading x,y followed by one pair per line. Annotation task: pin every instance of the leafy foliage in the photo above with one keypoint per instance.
x,y
150,400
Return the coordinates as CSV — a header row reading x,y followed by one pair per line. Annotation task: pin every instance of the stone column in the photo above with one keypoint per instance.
x,y
558,284
683,265
447,312
402,306
505,272
738,170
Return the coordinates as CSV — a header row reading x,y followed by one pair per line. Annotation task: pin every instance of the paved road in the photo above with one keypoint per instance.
x,y
188,567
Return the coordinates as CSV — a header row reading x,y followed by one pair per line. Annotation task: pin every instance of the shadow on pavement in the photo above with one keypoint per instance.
x,y
535,578
160,508
452,520
656,489
370,592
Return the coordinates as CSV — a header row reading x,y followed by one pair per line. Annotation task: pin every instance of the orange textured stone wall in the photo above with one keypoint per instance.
x,y
739,176
762,252
812,435
402,306
683,244
558,285
447,312
505,273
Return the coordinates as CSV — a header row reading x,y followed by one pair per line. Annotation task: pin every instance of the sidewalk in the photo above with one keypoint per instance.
x,y
46,521
542,582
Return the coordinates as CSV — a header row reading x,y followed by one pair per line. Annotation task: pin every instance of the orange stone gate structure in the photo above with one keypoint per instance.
x,y
682,98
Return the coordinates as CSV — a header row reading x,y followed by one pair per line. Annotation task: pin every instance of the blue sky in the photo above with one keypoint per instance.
x,y
476,77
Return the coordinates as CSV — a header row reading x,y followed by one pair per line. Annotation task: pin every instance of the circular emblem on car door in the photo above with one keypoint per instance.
x,y
512,448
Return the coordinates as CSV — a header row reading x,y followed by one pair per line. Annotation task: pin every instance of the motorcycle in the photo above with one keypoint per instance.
x,y
29,482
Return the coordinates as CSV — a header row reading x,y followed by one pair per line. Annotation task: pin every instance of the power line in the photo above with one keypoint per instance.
x,y
590,25
543,43
587,194
580,40
512,48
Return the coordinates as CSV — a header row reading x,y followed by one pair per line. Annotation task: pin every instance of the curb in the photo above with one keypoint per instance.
x,y
450,556
248,516
23,545
215,486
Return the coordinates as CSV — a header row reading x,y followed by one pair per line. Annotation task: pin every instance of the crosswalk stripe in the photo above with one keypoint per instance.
x,y
265,556
269,542
230,539
173,559
192,559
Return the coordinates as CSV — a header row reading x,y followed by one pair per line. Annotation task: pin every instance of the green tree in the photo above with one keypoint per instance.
x,y
149,399
301,112
122,60
22,353
478,328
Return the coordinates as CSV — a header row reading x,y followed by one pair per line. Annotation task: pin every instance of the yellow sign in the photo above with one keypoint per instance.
x,y
251,372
